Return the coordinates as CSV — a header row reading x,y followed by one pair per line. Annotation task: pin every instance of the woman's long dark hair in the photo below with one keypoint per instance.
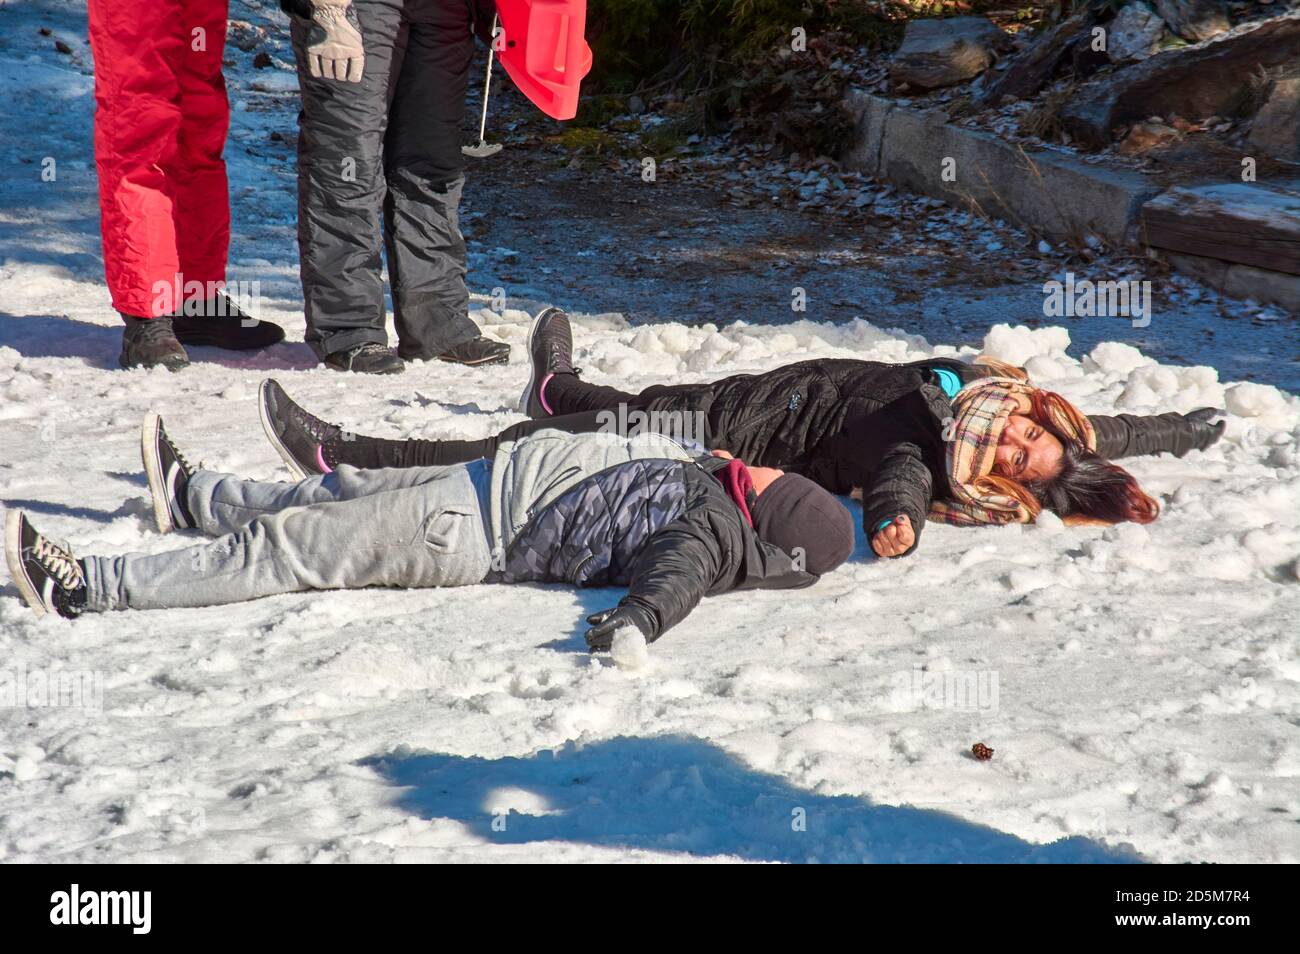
x,y
1088,485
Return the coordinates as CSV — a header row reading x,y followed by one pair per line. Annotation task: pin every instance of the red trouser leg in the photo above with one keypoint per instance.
x,y
138,46
202,210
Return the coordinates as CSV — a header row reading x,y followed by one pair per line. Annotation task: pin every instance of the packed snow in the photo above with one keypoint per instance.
x,y
1139,686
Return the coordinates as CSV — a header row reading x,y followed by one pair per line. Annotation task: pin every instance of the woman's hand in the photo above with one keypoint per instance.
x,y
895,539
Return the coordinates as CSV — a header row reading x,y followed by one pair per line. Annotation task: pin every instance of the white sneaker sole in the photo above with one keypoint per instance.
x,y
14,557
162,511
297,472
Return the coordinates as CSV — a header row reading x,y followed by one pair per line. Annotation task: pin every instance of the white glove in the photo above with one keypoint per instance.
x,y
334,49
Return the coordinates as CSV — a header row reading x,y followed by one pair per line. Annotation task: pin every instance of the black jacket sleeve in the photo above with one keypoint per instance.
x,y
679,565
902,484
1134,435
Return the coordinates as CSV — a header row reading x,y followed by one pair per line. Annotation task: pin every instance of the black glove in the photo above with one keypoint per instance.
x,y
605,623
1197,433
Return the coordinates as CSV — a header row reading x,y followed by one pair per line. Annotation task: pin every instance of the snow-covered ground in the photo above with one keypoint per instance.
x,y
1140,686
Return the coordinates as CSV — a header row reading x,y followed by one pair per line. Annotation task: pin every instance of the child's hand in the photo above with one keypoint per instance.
x,y
895,539
725,455
607,622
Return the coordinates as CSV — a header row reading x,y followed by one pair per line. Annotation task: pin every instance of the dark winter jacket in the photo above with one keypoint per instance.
x,y
863,424
664,528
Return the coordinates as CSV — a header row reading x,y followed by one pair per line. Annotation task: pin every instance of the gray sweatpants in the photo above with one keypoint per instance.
x,y
408,527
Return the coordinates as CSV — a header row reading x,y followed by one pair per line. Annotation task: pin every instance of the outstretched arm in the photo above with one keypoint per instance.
x,y
678,566
1134,435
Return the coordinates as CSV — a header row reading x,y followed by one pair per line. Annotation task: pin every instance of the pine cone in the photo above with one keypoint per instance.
x,y
981,751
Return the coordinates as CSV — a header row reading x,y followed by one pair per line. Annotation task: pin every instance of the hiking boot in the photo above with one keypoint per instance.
x,y
151,343
368,358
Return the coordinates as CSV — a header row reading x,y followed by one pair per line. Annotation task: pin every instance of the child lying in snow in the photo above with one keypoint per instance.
x,y
552,507
939,439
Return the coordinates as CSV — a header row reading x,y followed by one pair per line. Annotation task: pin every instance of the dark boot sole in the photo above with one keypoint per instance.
x,y
504,359
226,342
171,364
334,367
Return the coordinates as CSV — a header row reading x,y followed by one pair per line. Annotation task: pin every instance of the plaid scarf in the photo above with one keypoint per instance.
x,y
980,411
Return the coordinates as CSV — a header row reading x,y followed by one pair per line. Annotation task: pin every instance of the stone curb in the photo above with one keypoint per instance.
x,y
1056,196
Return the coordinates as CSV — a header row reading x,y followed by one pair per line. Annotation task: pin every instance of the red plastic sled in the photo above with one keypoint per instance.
x,y
545,52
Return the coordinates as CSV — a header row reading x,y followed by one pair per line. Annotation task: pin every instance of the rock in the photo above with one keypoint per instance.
x,y
1144,137
1194,82
939,53
245,35
62,47
1250,223
1031,70
262,60
1194,20
635,105
1134,33
1276,128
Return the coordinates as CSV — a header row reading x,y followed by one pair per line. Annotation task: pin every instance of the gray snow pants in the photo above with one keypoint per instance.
x,y
386,149
412,527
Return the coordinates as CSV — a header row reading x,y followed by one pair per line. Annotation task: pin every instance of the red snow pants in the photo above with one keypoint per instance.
x,y
160,126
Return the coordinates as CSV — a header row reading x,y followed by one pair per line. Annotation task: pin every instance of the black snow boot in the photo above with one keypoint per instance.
x,y
368,358
220,323
151,343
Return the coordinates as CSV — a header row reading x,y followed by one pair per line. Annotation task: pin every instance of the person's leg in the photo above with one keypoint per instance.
x,y
224,503
201,213
431,534
138,48
361,451
341,184
569,394
423,167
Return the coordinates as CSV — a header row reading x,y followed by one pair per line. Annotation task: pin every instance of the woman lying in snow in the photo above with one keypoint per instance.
x,y
963,443
550,507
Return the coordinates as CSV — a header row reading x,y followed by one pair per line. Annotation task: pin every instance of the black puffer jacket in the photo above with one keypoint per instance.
x,y
666,529
863,424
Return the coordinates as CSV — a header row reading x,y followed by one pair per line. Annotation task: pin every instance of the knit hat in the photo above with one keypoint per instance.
x,y
799,517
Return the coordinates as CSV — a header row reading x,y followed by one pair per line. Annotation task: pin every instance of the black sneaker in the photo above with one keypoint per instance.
x,y
151,343
550,352
297,435
46,573
220,323
368,358
477,351
169,476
